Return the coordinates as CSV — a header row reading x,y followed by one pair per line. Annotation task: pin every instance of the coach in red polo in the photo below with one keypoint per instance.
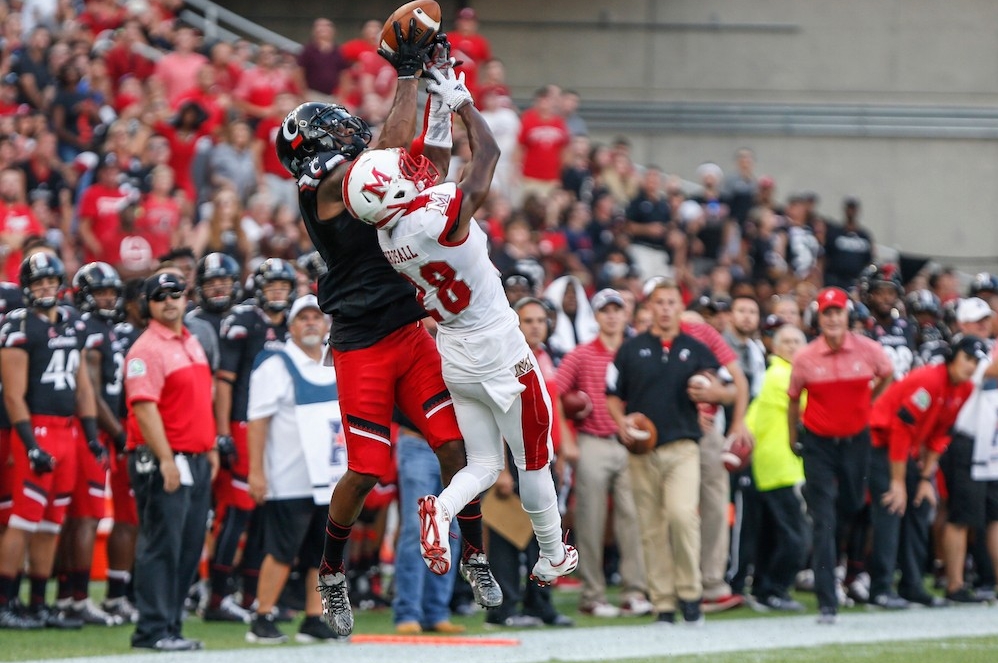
x,y
172,462
842,372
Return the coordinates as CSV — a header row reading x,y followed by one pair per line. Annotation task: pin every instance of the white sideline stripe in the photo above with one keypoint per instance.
x,y
640,641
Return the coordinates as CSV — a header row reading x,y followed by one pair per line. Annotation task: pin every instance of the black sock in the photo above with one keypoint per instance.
x,y
218,578
251,579
79,582
117,583
469,521
65,587
332,552
8,589
38,585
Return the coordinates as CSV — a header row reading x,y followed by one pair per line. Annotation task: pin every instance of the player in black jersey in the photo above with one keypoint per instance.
x,y
10,299
46,386
245,332
124,532
932,336
96,289
383,355
216,288
881,290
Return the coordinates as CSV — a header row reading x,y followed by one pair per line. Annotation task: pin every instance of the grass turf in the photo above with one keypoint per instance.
x,y
99,641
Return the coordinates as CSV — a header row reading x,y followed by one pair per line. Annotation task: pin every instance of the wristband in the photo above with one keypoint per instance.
x,y
89,427
27,434
437,124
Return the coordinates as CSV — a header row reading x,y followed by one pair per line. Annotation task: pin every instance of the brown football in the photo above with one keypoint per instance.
x,y
576,404
645,435
736,453
426,13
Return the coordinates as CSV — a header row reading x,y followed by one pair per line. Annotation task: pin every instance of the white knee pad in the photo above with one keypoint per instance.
x,y
537,493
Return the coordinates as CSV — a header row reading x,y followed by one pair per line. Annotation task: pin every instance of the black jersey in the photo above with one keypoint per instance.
x,y
10,299
652,380
366,297
933,342
102,338
214,319
125,334
245,332
54,355
898,339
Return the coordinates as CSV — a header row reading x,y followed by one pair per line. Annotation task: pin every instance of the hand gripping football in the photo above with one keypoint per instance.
x,y
645,435
427,15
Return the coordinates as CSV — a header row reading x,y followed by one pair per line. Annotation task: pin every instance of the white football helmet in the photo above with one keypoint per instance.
x,y
381,183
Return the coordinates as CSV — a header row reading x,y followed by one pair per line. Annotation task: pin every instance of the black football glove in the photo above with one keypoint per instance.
x,y
98,450
40,460
227,454
412,52
120,441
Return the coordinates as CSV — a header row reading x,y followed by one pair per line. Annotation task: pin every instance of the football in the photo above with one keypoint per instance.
x,y
645,435
736,452
698,380
576,404
426,13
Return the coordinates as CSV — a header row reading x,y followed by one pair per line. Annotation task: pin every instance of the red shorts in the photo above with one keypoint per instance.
x,y
40,500
232,485
122,495
6,470
401,369
90,490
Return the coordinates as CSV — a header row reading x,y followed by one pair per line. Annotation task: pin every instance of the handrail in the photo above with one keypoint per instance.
x,y
214,16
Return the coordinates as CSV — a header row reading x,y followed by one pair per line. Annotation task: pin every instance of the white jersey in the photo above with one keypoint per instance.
x,y
478,333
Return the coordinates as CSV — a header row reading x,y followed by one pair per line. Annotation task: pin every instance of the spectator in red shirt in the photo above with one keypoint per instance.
x,y
159,216
177,71
130,54
206,92
602,470
910,429
100,213
100,15
184,132
282,190
469,47
367,42
259,87
17,223
227,71
542,143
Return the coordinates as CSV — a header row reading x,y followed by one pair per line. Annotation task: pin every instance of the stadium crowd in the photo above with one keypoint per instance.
x,y
130,147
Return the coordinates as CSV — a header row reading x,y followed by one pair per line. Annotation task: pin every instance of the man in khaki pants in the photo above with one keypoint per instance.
x,y
650,375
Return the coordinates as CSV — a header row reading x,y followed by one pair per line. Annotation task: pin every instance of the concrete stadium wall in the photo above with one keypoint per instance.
x,y
924,195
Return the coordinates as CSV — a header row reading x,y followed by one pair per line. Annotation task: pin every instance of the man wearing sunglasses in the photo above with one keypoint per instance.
x,y
171,438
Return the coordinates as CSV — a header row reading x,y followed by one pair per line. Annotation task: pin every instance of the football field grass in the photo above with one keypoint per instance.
x,y
949,635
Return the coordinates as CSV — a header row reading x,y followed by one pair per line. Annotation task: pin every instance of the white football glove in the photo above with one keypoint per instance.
x,y
451,90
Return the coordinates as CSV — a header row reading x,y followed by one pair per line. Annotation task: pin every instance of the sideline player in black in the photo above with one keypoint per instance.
x,y
932,336
244,333
216,289
881,290
46,387
382,353
97,292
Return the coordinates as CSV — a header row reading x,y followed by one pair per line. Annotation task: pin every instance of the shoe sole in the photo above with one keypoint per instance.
x,y
436,556
258,640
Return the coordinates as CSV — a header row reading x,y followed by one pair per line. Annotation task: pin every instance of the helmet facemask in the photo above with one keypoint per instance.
x,y
381,184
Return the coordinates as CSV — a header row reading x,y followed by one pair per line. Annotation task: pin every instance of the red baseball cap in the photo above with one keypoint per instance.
x,y
832,298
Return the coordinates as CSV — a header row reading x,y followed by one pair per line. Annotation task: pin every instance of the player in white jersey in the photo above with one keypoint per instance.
x,y
428,234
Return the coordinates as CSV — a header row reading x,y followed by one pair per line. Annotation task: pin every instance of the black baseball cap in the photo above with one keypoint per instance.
x,y
973,347
164,282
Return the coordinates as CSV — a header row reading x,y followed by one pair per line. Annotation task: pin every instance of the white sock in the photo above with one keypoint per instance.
x,y
540,501
467,484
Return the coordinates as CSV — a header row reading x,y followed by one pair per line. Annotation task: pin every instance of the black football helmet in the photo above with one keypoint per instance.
x,y
36,267
984,282
213,266
270,270
96,276
923,301
315,127
876,276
